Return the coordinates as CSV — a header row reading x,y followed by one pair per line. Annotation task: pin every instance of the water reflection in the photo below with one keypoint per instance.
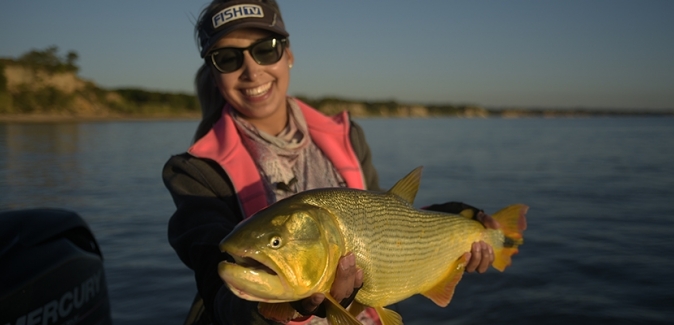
x,y
600,189
39,160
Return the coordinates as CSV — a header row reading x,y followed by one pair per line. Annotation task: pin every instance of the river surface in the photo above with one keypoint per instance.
x,y
597,249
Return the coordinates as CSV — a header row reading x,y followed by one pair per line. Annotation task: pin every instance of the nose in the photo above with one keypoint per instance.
x,y
251,69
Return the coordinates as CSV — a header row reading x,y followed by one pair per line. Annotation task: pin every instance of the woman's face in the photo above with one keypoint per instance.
x,y
257,92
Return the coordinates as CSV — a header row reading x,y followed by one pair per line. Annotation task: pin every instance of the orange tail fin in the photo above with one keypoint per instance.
x,y
513,222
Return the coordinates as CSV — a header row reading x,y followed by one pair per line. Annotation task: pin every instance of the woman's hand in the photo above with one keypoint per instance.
x,y
347,279
481,255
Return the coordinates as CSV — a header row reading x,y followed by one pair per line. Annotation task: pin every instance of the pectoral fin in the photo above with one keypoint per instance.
x,y
442,293
388,317
281,312
336,314
356,308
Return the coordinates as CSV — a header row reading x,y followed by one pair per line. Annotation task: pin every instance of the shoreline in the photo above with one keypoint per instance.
x,y
60,118
56,118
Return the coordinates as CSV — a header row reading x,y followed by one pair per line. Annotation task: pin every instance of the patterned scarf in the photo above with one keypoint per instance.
x,y
289,162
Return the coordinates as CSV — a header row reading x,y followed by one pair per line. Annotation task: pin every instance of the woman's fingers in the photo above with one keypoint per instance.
x,y
480,257
345,278
487,221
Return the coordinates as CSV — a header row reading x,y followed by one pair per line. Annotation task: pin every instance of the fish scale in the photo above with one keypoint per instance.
x,y
394,242
292,250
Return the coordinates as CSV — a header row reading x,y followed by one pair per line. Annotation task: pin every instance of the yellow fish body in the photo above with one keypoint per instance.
x,y
290,250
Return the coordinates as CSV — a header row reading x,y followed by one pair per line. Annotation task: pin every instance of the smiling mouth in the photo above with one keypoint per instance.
x,y
257,91
251,263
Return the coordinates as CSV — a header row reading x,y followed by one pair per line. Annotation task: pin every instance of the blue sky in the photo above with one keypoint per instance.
x,y
571,53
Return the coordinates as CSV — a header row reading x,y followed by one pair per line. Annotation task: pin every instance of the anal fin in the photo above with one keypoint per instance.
x,y
441,294
388,317
503,258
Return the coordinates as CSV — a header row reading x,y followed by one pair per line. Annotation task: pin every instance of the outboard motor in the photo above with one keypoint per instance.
x,y
51,270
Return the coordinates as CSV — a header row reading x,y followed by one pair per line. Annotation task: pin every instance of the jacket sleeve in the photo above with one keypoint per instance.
x,y
363,153
206,211
453,207
362,150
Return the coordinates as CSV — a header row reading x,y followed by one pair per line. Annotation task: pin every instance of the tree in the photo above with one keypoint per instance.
x,y
71,58
49,60
3,78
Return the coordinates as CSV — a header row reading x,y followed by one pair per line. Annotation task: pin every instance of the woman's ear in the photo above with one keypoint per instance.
x,y
291,58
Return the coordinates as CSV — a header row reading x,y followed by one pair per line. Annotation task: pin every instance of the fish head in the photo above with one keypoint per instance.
x,y
283,253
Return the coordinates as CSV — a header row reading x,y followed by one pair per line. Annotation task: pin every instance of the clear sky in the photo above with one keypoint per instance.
x,y
562,53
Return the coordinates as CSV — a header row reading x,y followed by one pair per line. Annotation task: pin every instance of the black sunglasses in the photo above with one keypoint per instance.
x,y
264,52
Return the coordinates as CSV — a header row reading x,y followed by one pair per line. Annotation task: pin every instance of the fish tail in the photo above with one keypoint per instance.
x,y
513,222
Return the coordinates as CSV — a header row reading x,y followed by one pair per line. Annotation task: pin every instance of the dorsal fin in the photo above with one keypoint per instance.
x,y
408,186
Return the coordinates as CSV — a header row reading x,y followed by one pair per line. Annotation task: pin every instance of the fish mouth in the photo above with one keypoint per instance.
x,y
254,278
253,264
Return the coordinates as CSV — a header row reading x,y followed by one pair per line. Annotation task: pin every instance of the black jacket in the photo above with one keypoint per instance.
x,y
207,210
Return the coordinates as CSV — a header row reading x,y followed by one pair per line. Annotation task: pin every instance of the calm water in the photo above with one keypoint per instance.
x,y
601,223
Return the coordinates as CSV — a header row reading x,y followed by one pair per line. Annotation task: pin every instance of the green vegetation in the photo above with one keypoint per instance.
x,y
49,61
333,105
46,83
149,102
43,100
5,97
43,82
34,95
3,79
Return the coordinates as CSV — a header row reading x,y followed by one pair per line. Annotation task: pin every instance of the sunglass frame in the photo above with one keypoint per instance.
x,y
282,42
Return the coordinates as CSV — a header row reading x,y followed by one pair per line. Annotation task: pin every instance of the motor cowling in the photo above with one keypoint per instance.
x,y
51,270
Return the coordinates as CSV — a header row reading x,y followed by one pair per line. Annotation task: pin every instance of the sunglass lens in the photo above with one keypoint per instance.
x,y
228,60
267,52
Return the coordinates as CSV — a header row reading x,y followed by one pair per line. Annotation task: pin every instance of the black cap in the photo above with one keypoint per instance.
x,y
234,15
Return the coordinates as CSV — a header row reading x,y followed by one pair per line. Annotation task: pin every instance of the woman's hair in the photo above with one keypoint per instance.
x,y
210,100
208,94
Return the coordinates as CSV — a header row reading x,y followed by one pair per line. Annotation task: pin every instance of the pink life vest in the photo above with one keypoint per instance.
x,y
223,145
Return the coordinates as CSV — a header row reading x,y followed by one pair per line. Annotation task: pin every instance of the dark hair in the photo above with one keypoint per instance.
x,y
208,94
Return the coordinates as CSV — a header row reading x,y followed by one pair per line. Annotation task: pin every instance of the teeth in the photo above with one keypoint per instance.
x,y
257,91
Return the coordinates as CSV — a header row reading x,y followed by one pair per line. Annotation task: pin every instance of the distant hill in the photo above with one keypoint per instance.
x,y
42,84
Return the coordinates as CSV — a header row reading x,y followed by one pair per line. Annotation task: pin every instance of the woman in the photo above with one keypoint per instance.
x,y
255,146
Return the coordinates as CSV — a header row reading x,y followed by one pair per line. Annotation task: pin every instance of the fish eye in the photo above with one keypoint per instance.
x,y
275,242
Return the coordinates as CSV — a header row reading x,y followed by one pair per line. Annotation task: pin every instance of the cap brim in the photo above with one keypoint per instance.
x,y
250,24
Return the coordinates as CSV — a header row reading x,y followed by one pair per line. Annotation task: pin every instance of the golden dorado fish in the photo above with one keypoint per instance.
x,y
290,250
